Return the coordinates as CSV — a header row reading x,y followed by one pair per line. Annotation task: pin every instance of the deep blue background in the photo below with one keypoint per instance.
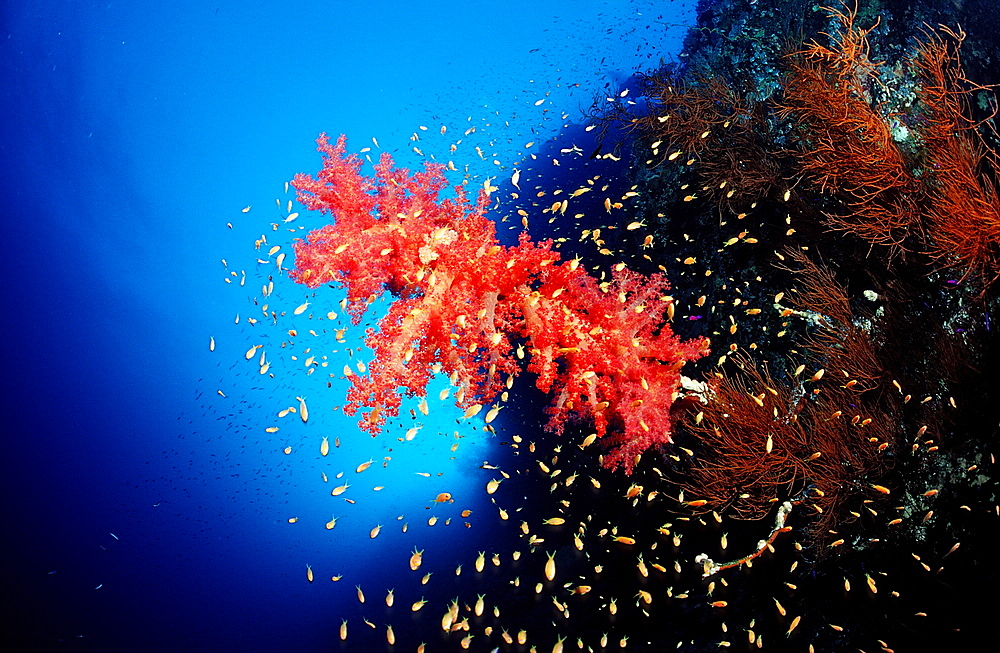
x,y
132,133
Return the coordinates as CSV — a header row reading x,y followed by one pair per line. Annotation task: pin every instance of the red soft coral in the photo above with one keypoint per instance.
x,y
464,300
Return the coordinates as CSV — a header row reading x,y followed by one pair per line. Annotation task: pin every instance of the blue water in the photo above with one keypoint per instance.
x,y
144,510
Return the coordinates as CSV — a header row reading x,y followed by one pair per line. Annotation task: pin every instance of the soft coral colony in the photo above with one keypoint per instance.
x,y
473,309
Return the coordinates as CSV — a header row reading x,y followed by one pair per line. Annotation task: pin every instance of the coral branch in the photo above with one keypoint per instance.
x,y
710,567
845,143
964,206
763,439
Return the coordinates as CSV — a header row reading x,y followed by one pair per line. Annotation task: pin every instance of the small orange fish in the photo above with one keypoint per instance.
x,y
416,559
792,626
550,566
